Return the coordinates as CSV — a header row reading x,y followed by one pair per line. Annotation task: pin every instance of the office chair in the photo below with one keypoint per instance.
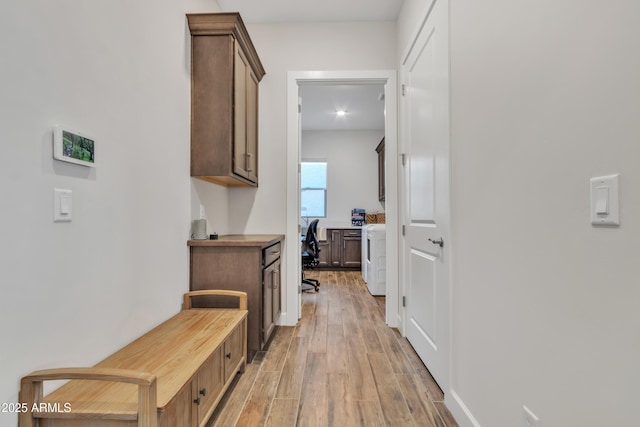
x,y
310,256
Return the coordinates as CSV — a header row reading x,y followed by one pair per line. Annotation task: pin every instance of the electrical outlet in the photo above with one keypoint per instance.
x,y
530,420
202,214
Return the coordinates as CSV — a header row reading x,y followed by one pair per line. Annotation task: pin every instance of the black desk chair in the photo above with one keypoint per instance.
x,y
310,256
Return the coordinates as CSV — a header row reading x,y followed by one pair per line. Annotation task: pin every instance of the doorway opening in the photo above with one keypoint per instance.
x,y
297,83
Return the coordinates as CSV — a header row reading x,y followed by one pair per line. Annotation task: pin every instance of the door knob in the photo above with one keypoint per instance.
x,y
438,242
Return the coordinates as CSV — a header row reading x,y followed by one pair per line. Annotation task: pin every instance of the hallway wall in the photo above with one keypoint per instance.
x,y
545,95
119,71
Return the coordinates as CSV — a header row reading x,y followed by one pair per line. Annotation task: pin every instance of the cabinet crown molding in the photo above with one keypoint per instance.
x,y
222,24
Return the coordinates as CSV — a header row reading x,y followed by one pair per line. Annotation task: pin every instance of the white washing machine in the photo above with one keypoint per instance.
x,y
376,259
363,259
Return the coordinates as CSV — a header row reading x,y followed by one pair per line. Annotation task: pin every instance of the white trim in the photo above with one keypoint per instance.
x,y
388,78
417,30
459,410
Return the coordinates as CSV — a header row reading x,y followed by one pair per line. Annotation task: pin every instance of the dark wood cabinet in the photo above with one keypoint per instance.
x,y
248,263
335,247
225,72
341,250
325,254
381,174
351,248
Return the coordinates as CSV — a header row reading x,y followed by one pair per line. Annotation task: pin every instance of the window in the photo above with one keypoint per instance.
x,y
313,195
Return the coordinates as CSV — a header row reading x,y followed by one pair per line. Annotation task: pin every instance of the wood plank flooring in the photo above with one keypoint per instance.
x,y
339,366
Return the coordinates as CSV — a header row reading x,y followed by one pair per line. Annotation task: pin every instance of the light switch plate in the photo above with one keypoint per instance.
x,y
605,204
62,205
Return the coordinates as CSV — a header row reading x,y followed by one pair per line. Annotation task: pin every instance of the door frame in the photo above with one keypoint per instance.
x,y
292,299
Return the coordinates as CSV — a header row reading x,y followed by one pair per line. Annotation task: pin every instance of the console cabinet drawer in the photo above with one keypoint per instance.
x,y
271,254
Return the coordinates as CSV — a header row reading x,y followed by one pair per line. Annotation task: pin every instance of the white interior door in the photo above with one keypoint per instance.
x,y
426,136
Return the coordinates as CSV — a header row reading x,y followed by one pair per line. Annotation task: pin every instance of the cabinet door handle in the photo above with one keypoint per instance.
x,y
228,355
203,391
249,162
197,400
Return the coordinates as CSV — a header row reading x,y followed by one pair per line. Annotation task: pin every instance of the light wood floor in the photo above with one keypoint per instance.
x,y
340,366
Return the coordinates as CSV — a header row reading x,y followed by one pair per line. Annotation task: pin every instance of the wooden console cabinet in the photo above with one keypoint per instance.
x,y
341,250
225,73
174,375
247,263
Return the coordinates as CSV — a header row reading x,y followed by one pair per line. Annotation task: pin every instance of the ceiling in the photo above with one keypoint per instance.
x,y
255,11
364,110
363,105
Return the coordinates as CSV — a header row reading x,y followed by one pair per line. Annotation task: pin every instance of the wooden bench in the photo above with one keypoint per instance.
x,y
173,376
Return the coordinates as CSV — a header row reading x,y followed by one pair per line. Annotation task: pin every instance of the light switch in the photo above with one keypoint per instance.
x,y
604,200
62,205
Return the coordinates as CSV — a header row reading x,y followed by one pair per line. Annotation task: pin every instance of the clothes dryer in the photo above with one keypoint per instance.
x,y
376,259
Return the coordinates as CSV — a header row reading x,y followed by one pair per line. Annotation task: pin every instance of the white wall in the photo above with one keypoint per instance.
x,y
298,47
545,95
352,171
72,293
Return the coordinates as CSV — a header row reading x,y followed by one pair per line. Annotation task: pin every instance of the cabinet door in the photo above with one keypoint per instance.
x,y
207,386
178,412
276,291
240,114
232,352
325,253
252,126
381,171
335,240
351,251
267,302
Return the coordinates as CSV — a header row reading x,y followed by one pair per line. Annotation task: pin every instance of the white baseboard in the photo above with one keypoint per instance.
x,y
286,320
459,410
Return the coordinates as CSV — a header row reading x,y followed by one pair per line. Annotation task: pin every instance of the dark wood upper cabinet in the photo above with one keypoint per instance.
x,y
381,188
225,73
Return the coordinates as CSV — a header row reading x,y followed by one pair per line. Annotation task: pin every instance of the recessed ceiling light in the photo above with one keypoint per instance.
x,y
341,113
